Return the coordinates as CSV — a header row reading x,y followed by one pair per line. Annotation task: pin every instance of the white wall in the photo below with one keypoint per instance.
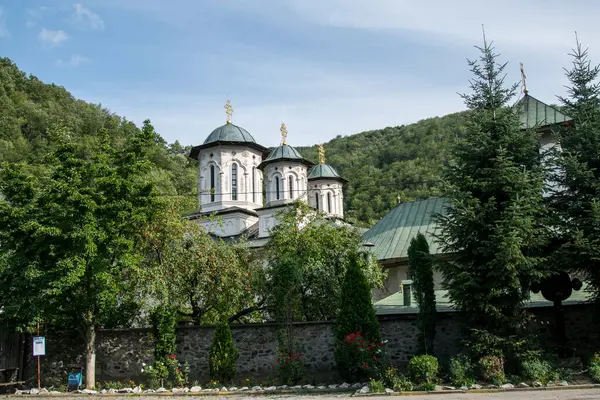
x,y
324,188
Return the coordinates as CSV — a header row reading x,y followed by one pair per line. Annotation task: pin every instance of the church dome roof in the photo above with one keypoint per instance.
x,y
230,133
285,152
324,171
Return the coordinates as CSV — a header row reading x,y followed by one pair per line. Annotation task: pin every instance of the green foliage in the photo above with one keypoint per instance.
x,y
576,169
427,386
393,379
495,222
594,367
291,368
491,369
356,318
461,371
164,331
536,369
223,354
358,358
423,369
376,386
420,270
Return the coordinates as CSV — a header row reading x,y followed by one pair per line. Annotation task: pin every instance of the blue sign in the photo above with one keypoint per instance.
x,y
74,379
39,346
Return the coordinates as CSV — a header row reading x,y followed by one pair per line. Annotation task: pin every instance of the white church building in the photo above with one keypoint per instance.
x,y
244,185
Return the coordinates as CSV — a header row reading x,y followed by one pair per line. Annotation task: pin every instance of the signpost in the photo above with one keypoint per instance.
x,y
39,349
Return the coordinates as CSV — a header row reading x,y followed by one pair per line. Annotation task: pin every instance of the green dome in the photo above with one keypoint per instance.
x,y
324,171
284,152
230,133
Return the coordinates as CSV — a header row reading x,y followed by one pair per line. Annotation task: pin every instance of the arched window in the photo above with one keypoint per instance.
x,y
317,200
291,186
234,181
277,187
212,183
329,202
253,184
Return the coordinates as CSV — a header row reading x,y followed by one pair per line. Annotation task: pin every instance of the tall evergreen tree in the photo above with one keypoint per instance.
x,y
493,223
576,197
420,270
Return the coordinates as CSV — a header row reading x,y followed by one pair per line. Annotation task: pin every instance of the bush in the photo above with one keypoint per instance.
x,y
594,369
223,354
535,369
356,316
393,379
427,387
423,369
461,371
291,368
360,357
376,386
491,369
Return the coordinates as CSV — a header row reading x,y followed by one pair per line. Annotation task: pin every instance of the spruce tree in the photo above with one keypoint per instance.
x,y
493,225
223,354
420,270
576,197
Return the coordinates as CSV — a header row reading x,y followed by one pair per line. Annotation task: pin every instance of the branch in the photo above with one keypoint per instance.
x,y
246,311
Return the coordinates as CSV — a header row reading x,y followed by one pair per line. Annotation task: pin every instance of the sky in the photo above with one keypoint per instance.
x,y
324,67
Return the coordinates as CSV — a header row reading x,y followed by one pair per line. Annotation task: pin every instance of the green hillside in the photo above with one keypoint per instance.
x,y
383,166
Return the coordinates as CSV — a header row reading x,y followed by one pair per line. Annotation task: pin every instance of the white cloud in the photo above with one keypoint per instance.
x,y
74,61
84,17
51,37
3,30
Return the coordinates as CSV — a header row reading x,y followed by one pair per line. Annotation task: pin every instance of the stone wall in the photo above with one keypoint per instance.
x,y
120,353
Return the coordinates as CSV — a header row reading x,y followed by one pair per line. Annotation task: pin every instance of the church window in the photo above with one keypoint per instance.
x,y
253,184
328,202
277,187
291,186
317,200
212,183
234,181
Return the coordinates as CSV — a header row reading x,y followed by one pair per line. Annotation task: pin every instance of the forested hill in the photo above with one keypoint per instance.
x,y
383,166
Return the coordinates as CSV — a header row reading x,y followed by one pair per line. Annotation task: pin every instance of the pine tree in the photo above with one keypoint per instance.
x,y
223,354
576,197
420,270
357,314
493,223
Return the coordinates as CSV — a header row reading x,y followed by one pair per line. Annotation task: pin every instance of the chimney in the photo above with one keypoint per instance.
x,y
407,292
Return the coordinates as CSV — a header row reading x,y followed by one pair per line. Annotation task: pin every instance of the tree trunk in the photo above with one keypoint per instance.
x,y
90,356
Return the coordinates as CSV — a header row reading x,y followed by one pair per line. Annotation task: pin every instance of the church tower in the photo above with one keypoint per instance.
x,y
286,181
325,191
229,178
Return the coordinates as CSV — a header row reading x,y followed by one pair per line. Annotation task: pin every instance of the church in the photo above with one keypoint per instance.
x,y
244,185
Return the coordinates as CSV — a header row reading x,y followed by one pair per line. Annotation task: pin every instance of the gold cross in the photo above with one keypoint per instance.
x,y
284,133
321,154
228,111
523,79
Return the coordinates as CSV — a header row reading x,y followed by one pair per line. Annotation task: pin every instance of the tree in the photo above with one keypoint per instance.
x,y
494,225
223,354
420,270
356,316
202,277
68,253
575,199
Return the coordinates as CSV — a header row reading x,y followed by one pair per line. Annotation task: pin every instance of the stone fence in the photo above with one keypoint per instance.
x,y
120,353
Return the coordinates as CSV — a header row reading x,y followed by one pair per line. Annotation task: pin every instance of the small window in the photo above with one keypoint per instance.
x,y
234,182
291,186
253,184
329,202
212,183
317,200
277,187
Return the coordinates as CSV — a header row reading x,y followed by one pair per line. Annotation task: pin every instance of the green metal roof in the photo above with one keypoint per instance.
x,y
392,234
537,114
230,133
284,152
394,304
324,171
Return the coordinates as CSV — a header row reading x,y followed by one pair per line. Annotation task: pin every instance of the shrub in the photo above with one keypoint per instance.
x,y
291,368
594,368
461,371
361,357
223,354
402,384
357,314
491,369
392,378
427,386
423,369
535,369
376,386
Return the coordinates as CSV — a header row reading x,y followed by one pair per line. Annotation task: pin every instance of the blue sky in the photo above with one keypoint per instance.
x,y
324,67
